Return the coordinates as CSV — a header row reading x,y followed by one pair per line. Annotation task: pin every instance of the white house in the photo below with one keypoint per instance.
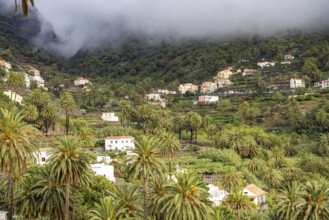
x,y
255,194
42,156
248,72
13,96
81,81
208,87
322,85
104,159
263,64
166,91
119,143
109,116
216,195
183,88
105,170
296,82
224,74
153,97
208,99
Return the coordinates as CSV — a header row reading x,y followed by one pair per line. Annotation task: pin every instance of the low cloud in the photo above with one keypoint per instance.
x,y
87,24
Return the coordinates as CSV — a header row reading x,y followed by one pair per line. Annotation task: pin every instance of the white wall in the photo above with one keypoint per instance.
x,y
119,144
102,169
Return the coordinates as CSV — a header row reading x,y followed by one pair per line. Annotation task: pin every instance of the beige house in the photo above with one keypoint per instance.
x,y
221,83
255,194
248,72
224,74
5,64
183,88
208,87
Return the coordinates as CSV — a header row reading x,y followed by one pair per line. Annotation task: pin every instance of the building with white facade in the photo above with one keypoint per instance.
x,y
13,96
255,194
119,143
263,64
109,116
183,88
208,99
296,82
81,81
216,195
322,85
224,74
208,87
102,169
104,159
248,72
42,155
153,97
166,91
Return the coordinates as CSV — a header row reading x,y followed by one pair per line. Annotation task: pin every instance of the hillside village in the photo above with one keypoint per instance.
x,y
252,128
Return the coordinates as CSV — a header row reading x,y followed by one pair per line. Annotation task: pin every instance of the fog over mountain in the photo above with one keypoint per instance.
x,y
89,23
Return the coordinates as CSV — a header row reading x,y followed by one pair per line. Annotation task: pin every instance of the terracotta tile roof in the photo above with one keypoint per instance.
x,y
255,189
119,137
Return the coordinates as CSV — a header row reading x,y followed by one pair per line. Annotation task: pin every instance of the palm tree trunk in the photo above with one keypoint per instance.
x,y
67,123
11,191
191,139
67,201
145,198
239,214
170,169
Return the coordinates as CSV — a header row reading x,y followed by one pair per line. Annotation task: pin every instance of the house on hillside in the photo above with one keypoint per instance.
x,y
216,195
109,116
208,99
263,64
287,59
255,194
166,91
183,88
13,96
119,143
222,83
296,82
42,156
103,159
248,72
322,85
5,64
81,81
102,169
153,97
34,74
208,87
224,74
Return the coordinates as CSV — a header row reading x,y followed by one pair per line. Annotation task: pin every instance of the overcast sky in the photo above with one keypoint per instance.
x,y
88,22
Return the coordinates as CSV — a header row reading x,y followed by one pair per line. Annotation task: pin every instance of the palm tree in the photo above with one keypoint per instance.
x,y
15,80
68,162
145,164
168,147
231,179
25,8
31,113
186,199
107,209
193,122
68,104
238,201
16,147
127,200
315,201
48,115
288,202
179,124
86,137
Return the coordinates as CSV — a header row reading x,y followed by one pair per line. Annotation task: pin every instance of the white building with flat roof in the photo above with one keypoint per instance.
x,y
42,155
119,143
296,82
153,97
217,195
109,116
102,169
208,99
13,96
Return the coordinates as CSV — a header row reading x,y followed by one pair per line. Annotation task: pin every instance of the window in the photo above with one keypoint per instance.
x,y
122,141
245,192
116,142
126,141
111,142
43,159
